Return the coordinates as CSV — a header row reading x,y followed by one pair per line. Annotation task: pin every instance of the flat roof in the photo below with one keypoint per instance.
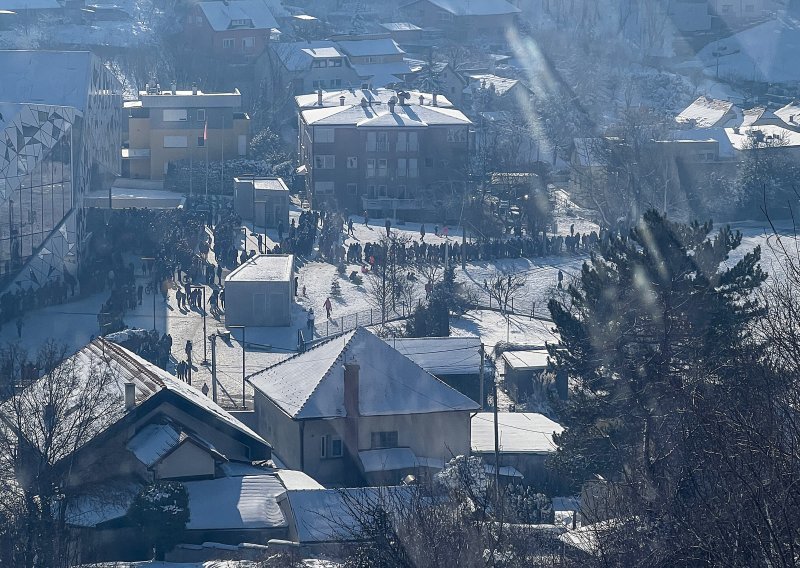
x,y
264,268
520,433
526,360
183,99
265,183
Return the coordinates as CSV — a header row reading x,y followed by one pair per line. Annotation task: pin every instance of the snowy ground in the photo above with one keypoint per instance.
x,y
75,323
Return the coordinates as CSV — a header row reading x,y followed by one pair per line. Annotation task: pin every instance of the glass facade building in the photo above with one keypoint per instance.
x,y
60,135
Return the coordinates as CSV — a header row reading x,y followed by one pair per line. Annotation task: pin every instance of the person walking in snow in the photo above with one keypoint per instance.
x,y
422,232
388,226
328,307
350,230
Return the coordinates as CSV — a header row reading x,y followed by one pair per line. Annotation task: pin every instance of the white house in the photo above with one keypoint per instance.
x,y
354,409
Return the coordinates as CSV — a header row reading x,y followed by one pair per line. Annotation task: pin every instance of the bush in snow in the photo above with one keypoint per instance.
x,y
336,290
161,511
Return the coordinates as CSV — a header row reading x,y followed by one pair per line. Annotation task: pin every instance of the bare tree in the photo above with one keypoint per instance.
x,y
504,288
41,429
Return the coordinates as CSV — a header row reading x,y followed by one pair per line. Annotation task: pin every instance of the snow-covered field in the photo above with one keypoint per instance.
x,y
75,323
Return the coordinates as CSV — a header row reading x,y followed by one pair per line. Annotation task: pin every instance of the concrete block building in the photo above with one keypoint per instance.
x,y
260,292
262,200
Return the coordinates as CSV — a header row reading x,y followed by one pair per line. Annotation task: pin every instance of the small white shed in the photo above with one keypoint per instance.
x,y
260,292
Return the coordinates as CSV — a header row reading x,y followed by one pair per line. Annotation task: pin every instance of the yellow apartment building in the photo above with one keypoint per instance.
x,y
170,126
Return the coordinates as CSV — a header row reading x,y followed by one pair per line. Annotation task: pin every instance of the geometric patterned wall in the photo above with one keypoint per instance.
x,y
38,136
36,144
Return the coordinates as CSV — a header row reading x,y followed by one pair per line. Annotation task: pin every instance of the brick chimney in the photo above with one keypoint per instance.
x,y
435,102
351,381
341,100
319,97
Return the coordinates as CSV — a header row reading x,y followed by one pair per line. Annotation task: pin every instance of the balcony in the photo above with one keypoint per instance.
x,y
392,204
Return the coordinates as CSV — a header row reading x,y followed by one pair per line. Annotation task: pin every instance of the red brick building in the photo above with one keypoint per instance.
x,y
230,29
399,154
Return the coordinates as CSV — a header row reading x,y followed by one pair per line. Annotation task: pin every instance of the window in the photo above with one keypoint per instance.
x,y
381,191
199,20
201,142
352,162
352,188
324,162
382,141
317,63
727,8
336,447
323,447
428,162
371,191
402,141
334,62
323,187
248,43
413,144
412,168
175,142
373,59
371,168
227,43
382,167
336,83
324,135
401,167
201,115
372,141
384,439
318,85
174,115
241,22
456,135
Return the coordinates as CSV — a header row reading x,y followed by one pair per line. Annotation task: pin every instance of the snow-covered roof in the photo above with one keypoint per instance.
x,y
442,355
520,433
270,184
327,515
790,114
411,115
382,74
298,55
153,442
123,366
47,77
264,268
400,27
501,84
311,384
221,15
757,116
717,134
107,503
322,52
526,360
741,138
20,5
475,7
706,112
235,503
365,47
378,96
293,480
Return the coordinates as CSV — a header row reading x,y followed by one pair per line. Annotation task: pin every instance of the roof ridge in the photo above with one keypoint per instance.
x,y
295,356
327,373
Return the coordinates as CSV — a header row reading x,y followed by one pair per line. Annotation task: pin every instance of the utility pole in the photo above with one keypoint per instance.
x,y
463,246
496,445
214,367
480,375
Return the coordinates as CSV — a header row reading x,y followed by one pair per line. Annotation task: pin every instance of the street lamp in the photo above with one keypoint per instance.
x,y
205,337
244,351
155,285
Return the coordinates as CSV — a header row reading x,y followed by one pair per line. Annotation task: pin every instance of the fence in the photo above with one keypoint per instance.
x,y
344,323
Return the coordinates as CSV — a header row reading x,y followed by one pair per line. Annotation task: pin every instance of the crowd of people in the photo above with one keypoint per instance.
x,y
14,304
371,253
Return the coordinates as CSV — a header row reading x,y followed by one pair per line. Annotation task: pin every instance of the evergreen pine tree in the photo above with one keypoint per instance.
x,y
646,337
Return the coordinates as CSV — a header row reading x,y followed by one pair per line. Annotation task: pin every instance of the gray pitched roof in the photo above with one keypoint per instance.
x,y
311,385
